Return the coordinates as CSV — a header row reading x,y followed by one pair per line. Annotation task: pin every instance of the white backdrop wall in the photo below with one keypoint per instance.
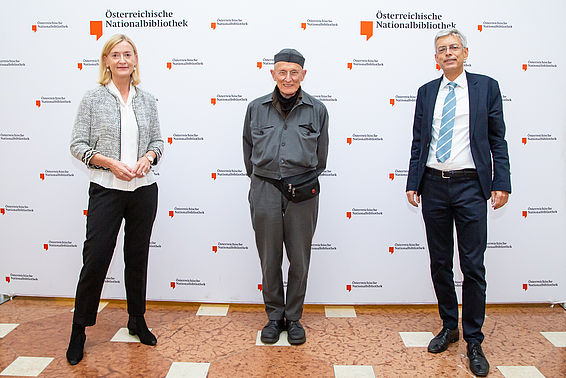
x,y
204,62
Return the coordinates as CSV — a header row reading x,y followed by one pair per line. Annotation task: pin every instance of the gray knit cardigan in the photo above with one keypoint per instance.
x,y
97,126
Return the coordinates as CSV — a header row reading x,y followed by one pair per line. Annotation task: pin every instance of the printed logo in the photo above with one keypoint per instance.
x,y
136,19
494,25
361,63
325,98
227,98
51,100
229,246
542,210
7,279
186,282
363,212
499,245
179,62
398,173
228,22
153,244
59,244
11,63
260,287
48,25
96,29
21,277
405,247
267,62
539,63
525,286
363,285
87,63
402,98
328,173
85,212
186,211
408,20
55,173
111,280
363,137
227,173
323,247
539,283
541,137
16,209
185,137
318,23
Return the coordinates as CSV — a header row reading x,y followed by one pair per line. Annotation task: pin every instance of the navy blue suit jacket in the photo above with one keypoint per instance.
x,y
487,134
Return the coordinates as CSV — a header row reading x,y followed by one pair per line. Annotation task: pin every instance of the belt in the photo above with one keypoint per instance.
x,y
471,173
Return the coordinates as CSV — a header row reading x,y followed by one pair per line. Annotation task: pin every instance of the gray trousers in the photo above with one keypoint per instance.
x,y
277,221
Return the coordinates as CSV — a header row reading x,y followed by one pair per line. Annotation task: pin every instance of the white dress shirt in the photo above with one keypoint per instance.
x,y
460,154
128,147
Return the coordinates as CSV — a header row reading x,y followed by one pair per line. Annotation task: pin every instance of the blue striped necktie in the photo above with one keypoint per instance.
x,y
444,144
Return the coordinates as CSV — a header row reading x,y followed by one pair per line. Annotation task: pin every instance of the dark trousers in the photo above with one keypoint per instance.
x,y
106,209
277,222
459,202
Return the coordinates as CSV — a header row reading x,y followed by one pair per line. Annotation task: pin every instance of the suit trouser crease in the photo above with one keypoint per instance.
x,y
460,203
277,222
106,209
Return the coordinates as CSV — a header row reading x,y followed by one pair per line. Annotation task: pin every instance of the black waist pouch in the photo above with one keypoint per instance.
x,y
298,188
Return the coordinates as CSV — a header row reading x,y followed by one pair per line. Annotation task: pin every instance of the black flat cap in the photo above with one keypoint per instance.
x,y
290,55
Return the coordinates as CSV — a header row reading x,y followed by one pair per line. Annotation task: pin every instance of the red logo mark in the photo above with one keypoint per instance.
x,y
260,287
42,176
259,65
96,29
525,287
2,211
213,25
391,250
437,67
525,214
349,287
214,248
46,246
524,67
168,65
480,28
304,25
7,279
349,140
213,101
349,65
392,101
313,191
524,140
349,214
38,103
170,140
85,212
80,66
213,175
366,28
34,28
171,213
391,176
172,284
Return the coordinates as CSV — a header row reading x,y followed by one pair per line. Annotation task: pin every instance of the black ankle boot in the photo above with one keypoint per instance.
x,y
137,326
76,344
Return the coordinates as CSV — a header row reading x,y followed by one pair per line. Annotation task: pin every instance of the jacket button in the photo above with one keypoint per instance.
x,y
283,144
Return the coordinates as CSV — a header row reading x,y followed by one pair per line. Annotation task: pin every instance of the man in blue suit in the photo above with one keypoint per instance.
x,y
459,161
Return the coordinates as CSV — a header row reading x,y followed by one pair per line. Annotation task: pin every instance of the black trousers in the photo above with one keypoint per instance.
x,y
106,209
459,202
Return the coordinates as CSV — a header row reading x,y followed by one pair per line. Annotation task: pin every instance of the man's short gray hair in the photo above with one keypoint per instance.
x,y
455,32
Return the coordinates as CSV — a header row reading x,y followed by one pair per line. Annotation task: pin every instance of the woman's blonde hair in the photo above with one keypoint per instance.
x,y
105,75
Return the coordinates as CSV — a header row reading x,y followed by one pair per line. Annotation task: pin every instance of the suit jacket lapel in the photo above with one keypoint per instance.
x,y
430,102
473,95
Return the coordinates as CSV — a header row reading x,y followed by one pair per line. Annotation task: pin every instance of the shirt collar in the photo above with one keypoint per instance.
x,y
461,81
114,90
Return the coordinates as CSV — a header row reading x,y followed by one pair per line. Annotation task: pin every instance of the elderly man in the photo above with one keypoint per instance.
x,y
459,160
285,148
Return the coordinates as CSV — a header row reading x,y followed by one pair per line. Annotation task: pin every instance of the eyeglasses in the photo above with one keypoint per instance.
x,y
283,74
125,55
444,49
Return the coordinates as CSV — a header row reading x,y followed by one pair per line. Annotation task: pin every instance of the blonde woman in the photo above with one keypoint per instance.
x,y
116,134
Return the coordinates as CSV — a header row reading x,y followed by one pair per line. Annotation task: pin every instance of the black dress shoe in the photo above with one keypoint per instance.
x,y
295,332
270,333
76,344
478,363
441,341
137,326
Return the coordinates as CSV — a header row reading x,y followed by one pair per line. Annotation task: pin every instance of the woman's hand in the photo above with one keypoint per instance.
x,y
122,171
141,167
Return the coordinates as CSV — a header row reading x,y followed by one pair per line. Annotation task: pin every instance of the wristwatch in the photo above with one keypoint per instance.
x,y
149,157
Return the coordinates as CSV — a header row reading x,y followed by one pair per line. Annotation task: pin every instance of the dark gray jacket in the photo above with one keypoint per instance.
x,y
97,126
277,147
